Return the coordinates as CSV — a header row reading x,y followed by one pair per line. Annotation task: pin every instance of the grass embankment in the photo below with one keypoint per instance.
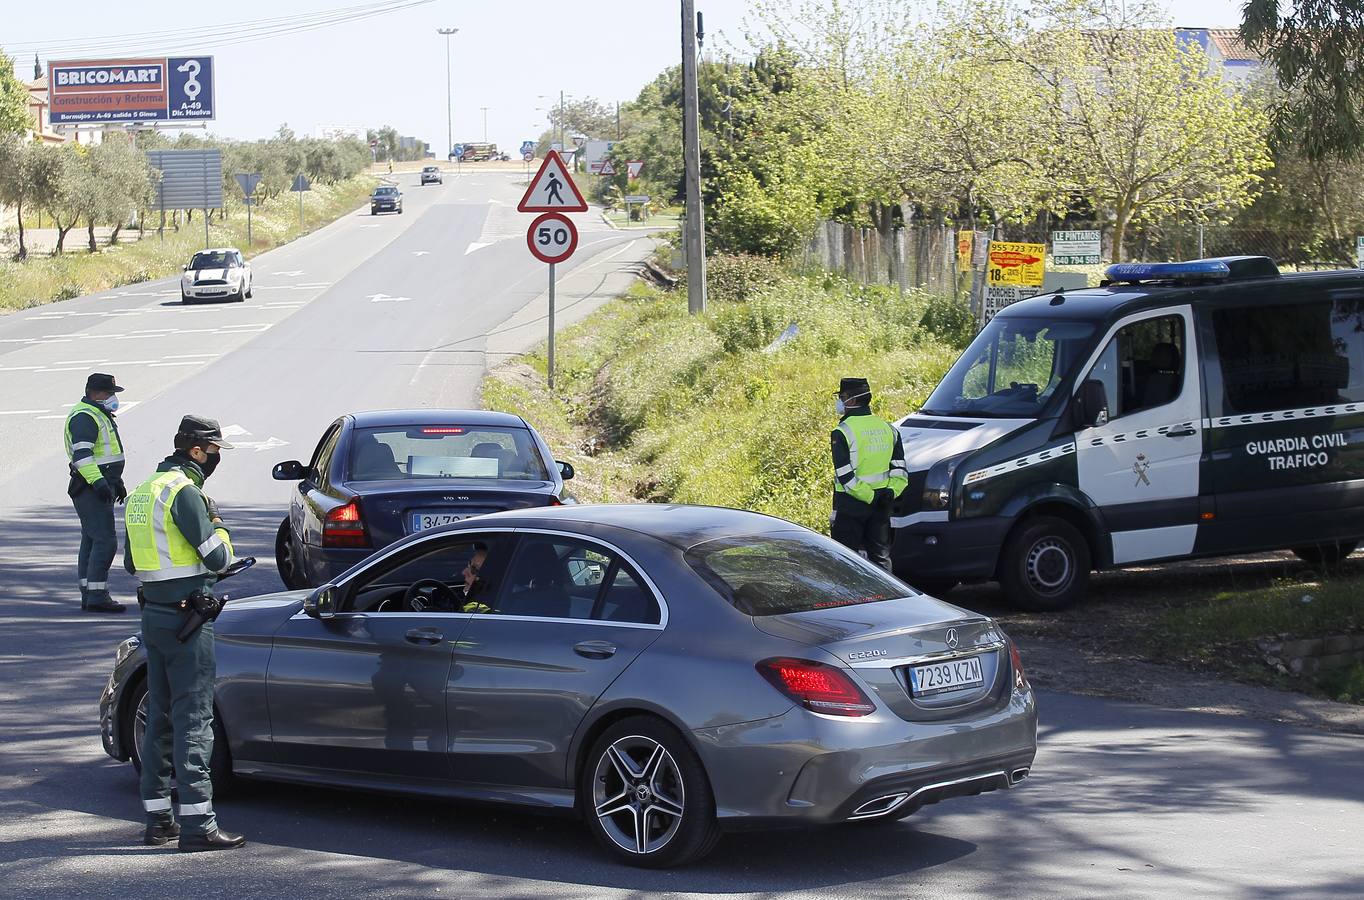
x,y
651,403
1229,630
43,279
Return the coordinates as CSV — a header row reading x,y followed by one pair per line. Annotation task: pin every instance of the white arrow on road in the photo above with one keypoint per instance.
x,y
385,298
269,443
421,252
476,246
291,272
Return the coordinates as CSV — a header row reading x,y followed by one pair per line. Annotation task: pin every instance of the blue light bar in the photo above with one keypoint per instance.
x,y
1199,270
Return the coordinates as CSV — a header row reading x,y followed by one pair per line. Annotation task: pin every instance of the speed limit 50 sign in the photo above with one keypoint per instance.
x,y
552,238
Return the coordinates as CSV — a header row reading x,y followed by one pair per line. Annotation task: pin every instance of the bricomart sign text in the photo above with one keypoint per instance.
x,y
98,92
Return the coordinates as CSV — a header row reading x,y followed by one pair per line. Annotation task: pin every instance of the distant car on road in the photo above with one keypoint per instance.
x,y
665,672
432,175
376,477
386,198
220,273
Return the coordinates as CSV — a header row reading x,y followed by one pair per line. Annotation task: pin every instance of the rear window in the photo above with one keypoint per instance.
x,y
769,576
445,451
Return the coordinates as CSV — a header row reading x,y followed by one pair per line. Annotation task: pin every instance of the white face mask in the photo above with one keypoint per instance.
x,y
839,406
110,405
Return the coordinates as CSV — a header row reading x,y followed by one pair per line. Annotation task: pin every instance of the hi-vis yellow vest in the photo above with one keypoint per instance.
x,y
160,552
105,450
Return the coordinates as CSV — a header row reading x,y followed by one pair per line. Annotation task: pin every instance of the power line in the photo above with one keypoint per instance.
x,y
214,35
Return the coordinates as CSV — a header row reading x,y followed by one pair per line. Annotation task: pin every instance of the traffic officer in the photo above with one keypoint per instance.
x,y
869,473
177,546
95,458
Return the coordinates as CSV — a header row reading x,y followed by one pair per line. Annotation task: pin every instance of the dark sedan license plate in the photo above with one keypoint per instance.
x,y
424,520
935,678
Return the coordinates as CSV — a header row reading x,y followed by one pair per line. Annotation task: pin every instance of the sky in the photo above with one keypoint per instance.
x,y
511,56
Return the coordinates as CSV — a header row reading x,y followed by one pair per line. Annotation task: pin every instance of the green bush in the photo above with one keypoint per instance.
x,y
950,320
771,220
733,277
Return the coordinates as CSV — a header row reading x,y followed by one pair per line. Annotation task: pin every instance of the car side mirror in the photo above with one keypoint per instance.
x,y
185,267
290,470
1091,404
566,470
321,603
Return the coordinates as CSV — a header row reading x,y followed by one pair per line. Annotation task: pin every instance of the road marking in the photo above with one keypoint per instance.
x,y
290,274
385,298
20,412
269,443
477,246
421,252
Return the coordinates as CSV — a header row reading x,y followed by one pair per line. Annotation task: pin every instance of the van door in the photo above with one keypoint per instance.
x,y
1141,467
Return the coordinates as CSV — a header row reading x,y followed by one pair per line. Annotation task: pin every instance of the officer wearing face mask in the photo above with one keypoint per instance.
x,y
95,457
177,547
869,473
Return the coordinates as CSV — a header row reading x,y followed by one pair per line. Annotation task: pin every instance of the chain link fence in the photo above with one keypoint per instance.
x,y
925,256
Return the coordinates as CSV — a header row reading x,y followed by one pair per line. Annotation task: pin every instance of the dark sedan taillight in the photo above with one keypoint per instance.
x,y
344,527
817,686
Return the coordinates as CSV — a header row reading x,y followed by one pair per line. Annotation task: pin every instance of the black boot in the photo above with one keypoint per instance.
x,y
217,839
160,833
103,604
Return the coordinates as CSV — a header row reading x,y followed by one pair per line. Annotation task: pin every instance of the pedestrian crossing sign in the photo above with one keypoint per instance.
x,y
552,189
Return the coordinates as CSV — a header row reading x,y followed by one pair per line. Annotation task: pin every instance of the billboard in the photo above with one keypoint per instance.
x,y
158,89
190,179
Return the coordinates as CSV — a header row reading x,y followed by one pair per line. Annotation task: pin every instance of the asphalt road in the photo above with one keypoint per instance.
x,y
1126,800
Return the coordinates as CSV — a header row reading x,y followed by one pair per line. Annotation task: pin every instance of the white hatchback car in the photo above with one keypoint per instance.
x,y
218,273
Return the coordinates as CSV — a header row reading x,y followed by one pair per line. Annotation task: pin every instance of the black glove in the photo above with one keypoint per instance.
x,y
885,496
120,492
212,509
103,491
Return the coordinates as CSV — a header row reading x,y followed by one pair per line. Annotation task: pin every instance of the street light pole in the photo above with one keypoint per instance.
x,y
694,230
485,123
449,101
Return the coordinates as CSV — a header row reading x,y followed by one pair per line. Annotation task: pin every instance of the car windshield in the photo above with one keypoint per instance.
x,y
385,191
445,451
211,259
793,572
428,168
1013,368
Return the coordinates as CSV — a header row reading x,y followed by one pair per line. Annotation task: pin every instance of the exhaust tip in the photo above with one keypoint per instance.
x,y
1018,775
878,807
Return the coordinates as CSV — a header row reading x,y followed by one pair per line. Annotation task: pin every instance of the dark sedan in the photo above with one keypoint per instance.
x,y
386,198
666,672
376,477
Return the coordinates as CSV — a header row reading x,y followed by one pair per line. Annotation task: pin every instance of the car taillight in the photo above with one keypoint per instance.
x,y
816,686
555,501
345,527
1016,660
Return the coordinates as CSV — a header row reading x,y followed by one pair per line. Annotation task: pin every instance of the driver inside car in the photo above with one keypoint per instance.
x,y
432,595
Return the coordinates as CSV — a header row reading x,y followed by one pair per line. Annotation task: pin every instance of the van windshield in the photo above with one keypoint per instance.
x,y
1013,369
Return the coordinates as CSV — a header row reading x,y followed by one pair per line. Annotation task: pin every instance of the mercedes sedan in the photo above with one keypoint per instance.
x,y
378,476
664,672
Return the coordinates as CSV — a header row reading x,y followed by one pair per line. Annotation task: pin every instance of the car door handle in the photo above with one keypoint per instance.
x,y
424,636
1182,431
595,649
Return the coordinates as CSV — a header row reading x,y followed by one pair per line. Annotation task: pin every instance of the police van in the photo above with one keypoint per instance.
x,y
1180,410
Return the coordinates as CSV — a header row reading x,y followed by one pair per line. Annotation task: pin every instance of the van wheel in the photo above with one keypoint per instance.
x,y
1045,565
645,795
1328,554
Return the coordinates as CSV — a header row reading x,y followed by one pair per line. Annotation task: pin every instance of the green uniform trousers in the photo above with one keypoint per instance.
x,y
99,543
179,736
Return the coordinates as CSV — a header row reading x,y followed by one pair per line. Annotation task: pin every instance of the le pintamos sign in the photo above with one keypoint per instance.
x,y
159,89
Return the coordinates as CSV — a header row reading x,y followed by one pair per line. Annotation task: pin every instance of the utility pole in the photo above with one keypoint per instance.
x,y
563,145
695,234
485,123
449,101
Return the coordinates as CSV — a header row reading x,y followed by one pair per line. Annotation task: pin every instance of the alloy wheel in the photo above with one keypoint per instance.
x,y
638,795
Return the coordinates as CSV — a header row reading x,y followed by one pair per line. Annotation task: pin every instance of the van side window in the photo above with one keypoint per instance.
x,y
1143,365
1290,356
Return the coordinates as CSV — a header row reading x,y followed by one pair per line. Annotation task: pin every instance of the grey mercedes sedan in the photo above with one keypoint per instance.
x,y
665,672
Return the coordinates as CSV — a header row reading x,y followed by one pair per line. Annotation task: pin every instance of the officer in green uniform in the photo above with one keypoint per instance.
x,y
177,546
95,457
869,473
